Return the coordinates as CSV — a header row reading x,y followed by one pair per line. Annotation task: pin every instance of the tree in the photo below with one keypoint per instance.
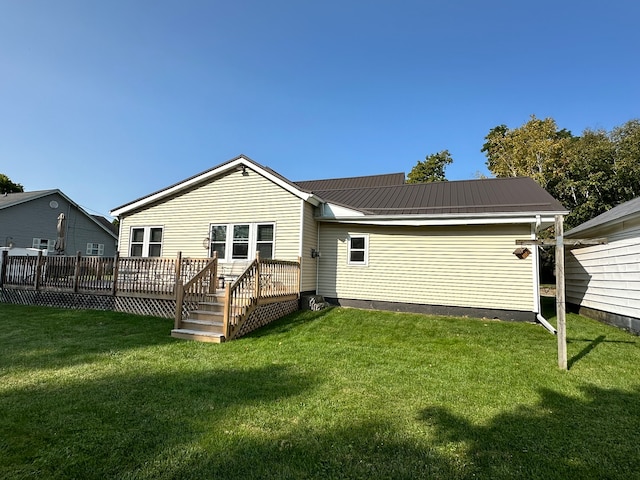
x,y
537,149
588,174
7,186
431,169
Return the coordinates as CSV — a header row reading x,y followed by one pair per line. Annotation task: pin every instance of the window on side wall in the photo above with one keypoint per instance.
x,y
358,250
95,249
146,242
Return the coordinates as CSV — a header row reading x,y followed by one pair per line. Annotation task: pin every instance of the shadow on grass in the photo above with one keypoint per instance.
x,y
290,322
560,437
111,427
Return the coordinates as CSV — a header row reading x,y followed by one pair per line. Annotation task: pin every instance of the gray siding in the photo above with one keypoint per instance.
x,y
21,223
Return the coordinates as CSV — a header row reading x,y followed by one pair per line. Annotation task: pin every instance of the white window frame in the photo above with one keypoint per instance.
x,y
146,240
252,240
365,250
95,249
38,242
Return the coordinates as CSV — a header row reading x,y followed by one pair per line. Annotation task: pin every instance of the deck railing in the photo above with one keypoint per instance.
x,y
130,276
264,281
197,288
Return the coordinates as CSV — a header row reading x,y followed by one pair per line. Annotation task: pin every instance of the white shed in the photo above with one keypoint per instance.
x,y
603,281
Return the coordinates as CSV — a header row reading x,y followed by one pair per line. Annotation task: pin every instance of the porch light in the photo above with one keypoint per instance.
x,y
522,252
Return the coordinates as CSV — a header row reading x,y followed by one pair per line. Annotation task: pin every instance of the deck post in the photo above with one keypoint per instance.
x,y
3,268
227,310
38,275
213,274
257,288
114,275
179,302
299,274
178,266
76,274
560,295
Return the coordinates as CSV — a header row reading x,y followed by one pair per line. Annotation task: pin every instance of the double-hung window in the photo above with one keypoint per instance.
x,y
95,249
42,244
358,250
241,241
146,242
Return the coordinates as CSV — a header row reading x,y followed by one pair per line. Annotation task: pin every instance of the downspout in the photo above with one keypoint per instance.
x,y
318,257
536,278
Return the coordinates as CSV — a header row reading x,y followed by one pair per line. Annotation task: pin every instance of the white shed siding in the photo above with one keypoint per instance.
x,y
607,277
468,266
309,241
231,198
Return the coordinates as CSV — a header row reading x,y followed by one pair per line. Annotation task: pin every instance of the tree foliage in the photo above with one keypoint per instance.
x,y
431,169
588,174
7,186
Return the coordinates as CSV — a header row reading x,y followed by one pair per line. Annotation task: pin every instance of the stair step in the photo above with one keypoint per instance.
x,y
187,334
206,315
212,326
211,306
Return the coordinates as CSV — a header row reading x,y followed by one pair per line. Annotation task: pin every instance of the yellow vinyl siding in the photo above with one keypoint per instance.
x,y
452,266
309,241
230,198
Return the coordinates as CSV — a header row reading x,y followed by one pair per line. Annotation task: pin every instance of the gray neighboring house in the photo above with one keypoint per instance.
x,y
30,219
603,281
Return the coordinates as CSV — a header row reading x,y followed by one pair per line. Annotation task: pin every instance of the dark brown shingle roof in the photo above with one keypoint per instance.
x,y
496,195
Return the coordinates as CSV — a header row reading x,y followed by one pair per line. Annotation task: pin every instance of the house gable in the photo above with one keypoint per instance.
x,y
238,164
26,217
230,198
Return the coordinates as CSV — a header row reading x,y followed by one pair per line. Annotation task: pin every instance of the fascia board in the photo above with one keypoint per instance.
x,y
232,165
594,230
545,220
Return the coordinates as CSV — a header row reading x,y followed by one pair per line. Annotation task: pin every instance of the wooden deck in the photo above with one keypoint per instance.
x,y
186,289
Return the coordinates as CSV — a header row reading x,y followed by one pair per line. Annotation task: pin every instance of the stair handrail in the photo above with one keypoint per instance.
x,y
196,285
240,295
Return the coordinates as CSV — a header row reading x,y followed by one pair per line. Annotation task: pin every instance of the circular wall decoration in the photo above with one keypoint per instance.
x,y
53,204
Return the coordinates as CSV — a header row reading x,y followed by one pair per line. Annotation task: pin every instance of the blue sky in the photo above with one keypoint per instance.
x,y
109,101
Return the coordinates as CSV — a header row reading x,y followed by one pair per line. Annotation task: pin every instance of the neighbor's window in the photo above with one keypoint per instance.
x,y
95,249
264,240
146,242
240,248
42,244
358,247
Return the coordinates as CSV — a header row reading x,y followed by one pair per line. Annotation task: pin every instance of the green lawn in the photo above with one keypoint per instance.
x,y
328,395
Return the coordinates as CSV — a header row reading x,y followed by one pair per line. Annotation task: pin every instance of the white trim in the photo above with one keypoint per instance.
x,y
301,236
535,272
230,166
252,241
365,262
146,240
445,220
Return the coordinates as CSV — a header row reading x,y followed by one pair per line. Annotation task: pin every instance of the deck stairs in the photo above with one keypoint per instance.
x,y
206,323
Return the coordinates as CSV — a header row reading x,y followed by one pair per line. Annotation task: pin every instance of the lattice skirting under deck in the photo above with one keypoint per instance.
x,y
46,298
156,307
266,314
